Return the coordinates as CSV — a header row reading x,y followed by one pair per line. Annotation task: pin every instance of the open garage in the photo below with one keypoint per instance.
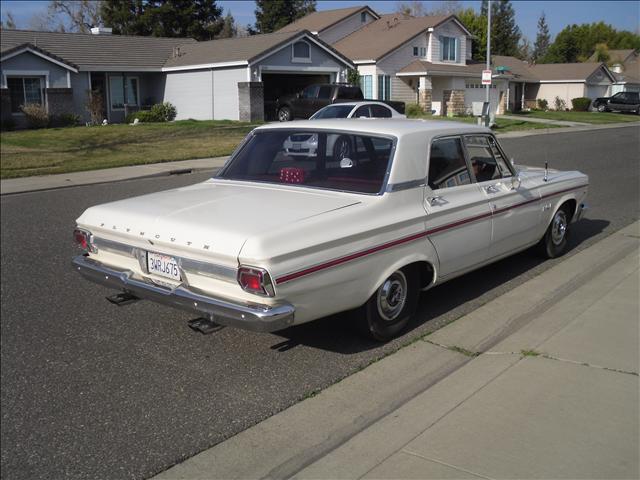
x,y
278,84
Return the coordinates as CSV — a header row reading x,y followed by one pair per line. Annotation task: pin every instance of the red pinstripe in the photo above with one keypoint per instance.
x,y
410,238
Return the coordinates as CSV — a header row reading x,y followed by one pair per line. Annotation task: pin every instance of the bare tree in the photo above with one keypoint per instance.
x,y
413,8
74,15
447,7
9,23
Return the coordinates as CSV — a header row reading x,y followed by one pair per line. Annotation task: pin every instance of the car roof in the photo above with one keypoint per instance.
x,y
355,104
382,126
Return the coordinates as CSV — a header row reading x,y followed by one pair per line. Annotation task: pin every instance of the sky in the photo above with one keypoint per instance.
x,y
623,15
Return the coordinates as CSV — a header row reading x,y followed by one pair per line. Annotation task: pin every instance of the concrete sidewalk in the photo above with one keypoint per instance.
x,y
541,382
564,123
74,179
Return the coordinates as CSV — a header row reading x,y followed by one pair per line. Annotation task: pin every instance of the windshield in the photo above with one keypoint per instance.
x,y
337,161
334,111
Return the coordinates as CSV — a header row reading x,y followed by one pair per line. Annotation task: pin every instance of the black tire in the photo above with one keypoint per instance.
x,y
284,114
555,240
389,310
342,148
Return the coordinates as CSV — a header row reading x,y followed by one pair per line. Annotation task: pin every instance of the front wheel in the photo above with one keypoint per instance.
x,y
554,242
284,114
389,310
602,107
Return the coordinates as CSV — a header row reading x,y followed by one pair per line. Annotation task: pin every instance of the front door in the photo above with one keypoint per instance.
x,y
458,220
516,209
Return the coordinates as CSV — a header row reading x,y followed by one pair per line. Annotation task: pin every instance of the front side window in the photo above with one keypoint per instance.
x,y
448,46
486,160
325,92
311,91
123,90
447,165
362,111
313,158
24,90
301,51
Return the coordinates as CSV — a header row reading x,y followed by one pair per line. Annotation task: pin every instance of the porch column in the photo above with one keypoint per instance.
x,y
522,99
424,94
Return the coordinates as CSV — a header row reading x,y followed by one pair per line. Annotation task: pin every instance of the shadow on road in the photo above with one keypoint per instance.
x,y
336,333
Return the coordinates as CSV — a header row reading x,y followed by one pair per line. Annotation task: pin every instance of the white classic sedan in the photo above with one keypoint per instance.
x,y
274,240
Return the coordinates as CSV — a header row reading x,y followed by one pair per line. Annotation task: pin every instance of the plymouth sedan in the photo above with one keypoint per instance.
x,y
274,240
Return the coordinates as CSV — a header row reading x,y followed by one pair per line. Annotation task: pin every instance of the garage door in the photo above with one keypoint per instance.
x,y
278,84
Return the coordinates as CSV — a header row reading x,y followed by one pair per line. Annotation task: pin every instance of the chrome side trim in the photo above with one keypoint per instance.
x,y
188,265
249,316
396,187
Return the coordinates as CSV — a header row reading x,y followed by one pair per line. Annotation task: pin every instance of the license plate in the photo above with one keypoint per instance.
x,y
163,265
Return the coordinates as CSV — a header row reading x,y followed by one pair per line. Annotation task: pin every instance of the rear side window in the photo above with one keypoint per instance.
x,y
447,166
350,93
378,111
325,92
362,111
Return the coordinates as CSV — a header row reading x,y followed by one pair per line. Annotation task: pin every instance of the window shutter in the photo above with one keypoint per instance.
x,y
441,40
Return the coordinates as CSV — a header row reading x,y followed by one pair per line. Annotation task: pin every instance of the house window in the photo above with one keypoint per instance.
x,y
363,17
448,48
123,90
415,51
384,87
24,90
301,52
366,84
423,51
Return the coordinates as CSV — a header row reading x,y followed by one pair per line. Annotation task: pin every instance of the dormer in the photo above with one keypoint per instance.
x,y
449,43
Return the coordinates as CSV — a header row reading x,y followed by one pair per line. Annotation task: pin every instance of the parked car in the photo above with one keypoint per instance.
x,y
357,110
621,102
274,240
306,144
314,97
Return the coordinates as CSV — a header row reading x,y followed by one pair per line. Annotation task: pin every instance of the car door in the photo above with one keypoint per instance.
x,y
306,102
515,203
323,99
618,102
458,220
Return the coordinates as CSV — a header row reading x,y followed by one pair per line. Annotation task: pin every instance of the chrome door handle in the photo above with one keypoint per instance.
x,y
435,200
492,189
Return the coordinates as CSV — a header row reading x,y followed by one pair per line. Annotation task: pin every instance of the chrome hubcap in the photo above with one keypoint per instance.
x,y
559,227
284,115
392,296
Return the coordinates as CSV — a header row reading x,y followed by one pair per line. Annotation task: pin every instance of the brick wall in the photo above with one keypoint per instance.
x,y
424,99
251,101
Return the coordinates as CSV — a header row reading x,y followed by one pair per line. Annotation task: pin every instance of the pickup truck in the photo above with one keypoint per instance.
x,y
317,96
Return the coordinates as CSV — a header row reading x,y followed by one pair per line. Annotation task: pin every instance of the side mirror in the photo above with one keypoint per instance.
x,y
516,182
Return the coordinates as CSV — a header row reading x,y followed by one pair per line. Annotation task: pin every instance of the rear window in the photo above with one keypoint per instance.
x,y
332,160
350,93
334,111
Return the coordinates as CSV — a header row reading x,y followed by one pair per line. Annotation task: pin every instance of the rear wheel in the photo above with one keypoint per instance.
x,y
554,242
389,310
284,114
342,148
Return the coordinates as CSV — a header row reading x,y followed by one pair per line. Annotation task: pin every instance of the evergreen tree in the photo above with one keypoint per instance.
x,y
125,17
477,25
505,34
272,15
543,39
229,29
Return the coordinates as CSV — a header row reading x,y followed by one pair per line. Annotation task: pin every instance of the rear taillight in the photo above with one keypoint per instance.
x,y
255,280
83,239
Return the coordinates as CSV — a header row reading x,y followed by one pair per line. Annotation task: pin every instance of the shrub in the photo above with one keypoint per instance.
x,y
353,77
581,104
559,104
8,125
144,116
543,104
36,115
413,110
164,112
65,120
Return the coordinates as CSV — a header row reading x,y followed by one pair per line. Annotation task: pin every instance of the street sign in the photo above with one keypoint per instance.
x,y
486,77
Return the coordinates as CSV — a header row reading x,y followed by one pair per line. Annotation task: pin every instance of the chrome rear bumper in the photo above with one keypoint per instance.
x,y
249,316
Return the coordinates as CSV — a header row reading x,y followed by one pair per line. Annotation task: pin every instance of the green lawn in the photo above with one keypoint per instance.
x,y
502,124
584,117
62,150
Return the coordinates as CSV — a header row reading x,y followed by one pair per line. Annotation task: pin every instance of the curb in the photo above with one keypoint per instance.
x,y
287,443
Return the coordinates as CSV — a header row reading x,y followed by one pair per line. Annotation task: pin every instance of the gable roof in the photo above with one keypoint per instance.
x,y
240,51
422,67
616,56
40,52
550,72
377,39
96,52
319,21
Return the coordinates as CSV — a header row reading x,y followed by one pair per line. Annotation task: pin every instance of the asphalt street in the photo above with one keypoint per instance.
x,y
91,390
